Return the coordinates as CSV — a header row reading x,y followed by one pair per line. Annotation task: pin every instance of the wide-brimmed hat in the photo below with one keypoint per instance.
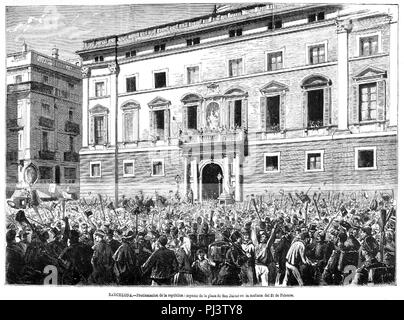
x,y
99,233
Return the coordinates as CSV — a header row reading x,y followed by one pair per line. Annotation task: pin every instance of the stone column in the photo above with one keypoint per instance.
x,y
236,164
194,174
113,69
185,175
226,175
393,78
343,28
85,71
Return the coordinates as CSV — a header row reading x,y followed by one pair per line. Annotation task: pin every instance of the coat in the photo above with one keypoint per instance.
x,y
162,263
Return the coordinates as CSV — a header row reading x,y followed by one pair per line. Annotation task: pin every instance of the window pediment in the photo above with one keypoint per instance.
x,y
315,81
191,98
130,105
97,109
370,73
235,92
158,102
273,87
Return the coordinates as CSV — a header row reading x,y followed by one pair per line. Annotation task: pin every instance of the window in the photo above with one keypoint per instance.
x,y
45,173
275,61
99,89
235,67
18,78
192,114
20,140
160,80
314,160
315,108
99,58
46,110
19,109
45,79
131,84
128,168
317,54
275,24
70,115
95,169
45,141
368,45
71,144
316,17
160,47
157,167
130,54
70,173
159,119
235,33
365,158
128,126
71,85
192,74
368,101
194,41
99,130
271,162
273,114
237,113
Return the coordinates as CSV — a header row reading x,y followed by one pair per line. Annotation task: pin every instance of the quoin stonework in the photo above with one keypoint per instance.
x,y
43,120
250,98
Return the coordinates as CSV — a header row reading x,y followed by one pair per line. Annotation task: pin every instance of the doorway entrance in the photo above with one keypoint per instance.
x,y
57,175
211,188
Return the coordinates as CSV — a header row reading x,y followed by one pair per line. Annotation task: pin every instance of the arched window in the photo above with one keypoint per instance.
x,y
316,101
130,117
236,113
98,125
191,111
272,107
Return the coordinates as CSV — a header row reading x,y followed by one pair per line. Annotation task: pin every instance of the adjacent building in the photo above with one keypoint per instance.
x,y
43,119
246,99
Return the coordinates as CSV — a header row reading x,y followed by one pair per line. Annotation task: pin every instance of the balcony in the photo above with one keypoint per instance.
x,y
216,136
47,123
30,85
71,156
47,155
14,124
72,127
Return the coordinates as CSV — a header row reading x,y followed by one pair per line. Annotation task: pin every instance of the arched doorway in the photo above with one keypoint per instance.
x,y
210,181
57,175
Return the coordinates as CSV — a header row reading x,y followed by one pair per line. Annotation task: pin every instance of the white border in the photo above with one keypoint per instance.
x,y
133,168
164,168
272,154
322,160
357,158
309,45
92,163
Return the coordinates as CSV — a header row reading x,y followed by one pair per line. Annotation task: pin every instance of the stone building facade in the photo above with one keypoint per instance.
x,y
247,99
43,120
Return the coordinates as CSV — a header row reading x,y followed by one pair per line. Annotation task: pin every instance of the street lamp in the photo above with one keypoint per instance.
x,y
219,178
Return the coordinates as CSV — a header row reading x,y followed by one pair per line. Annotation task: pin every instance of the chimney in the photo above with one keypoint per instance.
x,y
55,53
24,47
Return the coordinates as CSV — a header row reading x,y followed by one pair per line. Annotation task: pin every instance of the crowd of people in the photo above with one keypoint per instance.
x,y
305,239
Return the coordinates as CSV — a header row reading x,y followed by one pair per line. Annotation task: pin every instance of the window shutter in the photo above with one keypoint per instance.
x,y
263,107
244,113
355,105
92,129
167,123
128,84
327,106
282,112
105,129
151,123
199,116
185,118
230,114
304,109
381,100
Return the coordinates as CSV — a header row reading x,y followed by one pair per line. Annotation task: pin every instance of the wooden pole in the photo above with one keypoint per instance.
x,y
102,207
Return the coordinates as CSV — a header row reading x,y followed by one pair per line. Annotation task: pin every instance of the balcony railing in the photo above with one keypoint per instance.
x,y
47,155
315,124
72,127
208,137
71,156
46,122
